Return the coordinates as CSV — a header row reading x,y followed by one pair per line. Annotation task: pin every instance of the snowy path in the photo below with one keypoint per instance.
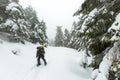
x,y
63,64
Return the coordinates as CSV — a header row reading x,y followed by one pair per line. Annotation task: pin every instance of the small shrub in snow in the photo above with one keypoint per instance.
x,y
16,51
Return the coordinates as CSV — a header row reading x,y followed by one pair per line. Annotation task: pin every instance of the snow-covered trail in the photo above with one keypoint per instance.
x,y
63,64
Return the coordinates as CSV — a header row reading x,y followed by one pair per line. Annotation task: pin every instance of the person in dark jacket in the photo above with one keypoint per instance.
x,y
40,54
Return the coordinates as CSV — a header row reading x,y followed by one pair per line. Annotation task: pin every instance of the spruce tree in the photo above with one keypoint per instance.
x,y
37,28
59,37
97,29
15,22
75,37
19,27
21,24
66,37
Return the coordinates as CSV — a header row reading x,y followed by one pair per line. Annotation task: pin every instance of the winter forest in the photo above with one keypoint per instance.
x,y
88,50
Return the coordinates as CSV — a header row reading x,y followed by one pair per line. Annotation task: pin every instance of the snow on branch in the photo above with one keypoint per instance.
x,y
103,71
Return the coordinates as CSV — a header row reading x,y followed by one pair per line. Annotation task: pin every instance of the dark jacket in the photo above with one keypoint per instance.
x,y
40,52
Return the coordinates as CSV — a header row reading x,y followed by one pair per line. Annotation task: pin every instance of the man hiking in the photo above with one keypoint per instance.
x,y
40,54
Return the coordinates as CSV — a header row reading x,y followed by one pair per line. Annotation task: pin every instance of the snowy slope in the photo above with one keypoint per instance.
x,y
63,63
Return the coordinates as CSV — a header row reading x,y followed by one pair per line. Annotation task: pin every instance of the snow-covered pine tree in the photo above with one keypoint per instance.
x,y
39,36
75,39
31,16
21,24
92,26
66,37
37,28
44,37
97,30
15,23
59,37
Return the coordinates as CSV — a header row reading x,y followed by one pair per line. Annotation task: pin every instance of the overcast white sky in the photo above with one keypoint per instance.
x,y
54,12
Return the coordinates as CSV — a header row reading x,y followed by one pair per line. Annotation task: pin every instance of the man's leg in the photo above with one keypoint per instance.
x,y
44,60
38,61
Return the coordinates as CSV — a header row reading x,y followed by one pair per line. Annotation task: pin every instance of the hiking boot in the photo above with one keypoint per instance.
x,y
38,65
45,64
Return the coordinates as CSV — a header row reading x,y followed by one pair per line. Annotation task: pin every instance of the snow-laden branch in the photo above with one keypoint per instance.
x,y
103,71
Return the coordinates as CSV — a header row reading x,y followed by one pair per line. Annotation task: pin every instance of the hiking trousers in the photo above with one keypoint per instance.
x,y
43,58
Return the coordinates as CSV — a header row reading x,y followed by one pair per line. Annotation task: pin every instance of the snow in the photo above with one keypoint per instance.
x,y
11,6
8,22
115,26
63,63
95,73
84,59
89,17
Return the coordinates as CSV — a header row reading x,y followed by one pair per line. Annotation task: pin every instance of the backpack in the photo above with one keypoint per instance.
x,y
41,48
